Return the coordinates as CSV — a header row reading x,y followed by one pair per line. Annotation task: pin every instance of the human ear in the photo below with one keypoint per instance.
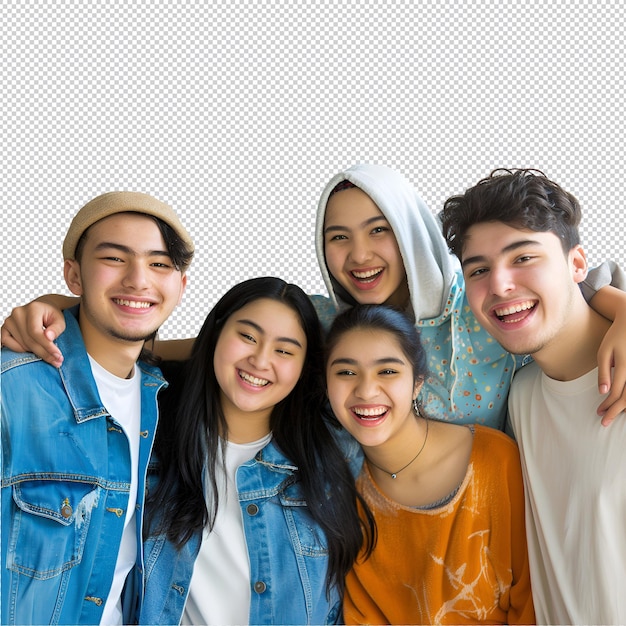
x,y
578,263
73,279
183,286
417,387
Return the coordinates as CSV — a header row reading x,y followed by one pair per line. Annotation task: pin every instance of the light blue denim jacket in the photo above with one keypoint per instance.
x,y
287,550
65,483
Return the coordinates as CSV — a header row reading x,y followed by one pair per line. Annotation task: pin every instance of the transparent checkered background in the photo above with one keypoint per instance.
x,y
238,113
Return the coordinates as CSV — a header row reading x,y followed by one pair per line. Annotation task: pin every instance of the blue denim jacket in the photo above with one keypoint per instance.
x,y
287,550
65,483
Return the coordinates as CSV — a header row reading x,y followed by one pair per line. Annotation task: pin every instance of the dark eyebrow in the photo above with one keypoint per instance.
x,y
383,361
107,245
262,332
367,222
510,248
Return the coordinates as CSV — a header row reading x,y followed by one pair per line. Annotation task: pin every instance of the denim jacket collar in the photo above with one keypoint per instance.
x,y
273,457
86,402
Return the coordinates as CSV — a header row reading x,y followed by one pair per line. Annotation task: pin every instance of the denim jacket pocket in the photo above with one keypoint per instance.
x,y
310,538
50,526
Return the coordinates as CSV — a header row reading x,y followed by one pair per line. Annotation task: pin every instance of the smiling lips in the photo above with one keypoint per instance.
x,y
369,414
514,313
133,304
366,278
253,380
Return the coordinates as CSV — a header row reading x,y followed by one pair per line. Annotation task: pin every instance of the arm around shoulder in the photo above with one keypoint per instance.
x,y
611,303
33,327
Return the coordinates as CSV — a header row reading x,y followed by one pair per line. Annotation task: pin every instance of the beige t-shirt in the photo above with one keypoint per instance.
x,y
575,479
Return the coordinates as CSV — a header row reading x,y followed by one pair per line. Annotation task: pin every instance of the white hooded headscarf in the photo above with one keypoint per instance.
x,y
430,267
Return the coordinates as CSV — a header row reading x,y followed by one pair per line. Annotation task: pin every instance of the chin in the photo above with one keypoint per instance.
x,y
516,347
132,336
370,297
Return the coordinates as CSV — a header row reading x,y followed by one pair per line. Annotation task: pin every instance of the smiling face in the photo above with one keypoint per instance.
x,y
126,280
361,250
371,386
521,285
258,360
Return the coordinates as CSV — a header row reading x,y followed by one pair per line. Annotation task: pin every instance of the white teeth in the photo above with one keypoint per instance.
x,y
518,308
133,304
253,380
373,412
367,274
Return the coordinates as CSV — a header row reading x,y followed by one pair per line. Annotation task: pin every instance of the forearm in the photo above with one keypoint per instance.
x,y
58,301
608,273
610,302
173,349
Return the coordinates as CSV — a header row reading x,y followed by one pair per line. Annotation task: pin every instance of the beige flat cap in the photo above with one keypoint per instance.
x,y
120,202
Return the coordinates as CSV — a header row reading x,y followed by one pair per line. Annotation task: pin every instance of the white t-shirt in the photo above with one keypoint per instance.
x,y
122,398
219,592
575,479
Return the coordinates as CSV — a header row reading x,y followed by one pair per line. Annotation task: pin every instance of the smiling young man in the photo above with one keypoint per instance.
x,y
516,234
76,440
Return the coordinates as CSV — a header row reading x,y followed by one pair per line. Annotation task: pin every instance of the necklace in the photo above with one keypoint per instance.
x,y
394,475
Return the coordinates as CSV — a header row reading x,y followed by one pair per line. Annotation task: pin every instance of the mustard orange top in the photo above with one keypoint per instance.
x,y
463,562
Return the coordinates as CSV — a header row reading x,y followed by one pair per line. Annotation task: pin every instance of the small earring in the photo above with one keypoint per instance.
x,y
416,408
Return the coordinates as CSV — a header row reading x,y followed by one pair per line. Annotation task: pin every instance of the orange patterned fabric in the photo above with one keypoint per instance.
x,y
464,562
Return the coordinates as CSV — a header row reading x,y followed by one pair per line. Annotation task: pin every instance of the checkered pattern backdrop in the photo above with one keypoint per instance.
x,y
238,113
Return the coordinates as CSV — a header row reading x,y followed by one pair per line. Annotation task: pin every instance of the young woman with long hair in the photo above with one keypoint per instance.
x,y
253,518
448,499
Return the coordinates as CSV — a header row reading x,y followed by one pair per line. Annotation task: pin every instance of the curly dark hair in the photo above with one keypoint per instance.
x,y
524,198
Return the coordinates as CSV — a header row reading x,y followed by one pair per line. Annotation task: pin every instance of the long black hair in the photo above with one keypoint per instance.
x,y
193,427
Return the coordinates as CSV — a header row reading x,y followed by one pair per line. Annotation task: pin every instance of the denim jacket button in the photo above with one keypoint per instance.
x,y
66,509
260,586
252,509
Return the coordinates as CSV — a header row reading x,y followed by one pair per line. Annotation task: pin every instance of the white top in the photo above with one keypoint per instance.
x,y
219,592
575,478
122,398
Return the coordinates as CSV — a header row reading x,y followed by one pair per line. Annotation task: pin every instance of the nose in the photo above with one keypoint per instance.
x,y
501,281
367,388
136,276
260,357
360,252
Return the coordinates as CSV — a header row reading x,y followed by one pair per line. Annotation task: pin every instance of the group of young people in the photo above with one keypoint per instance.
x,y
324,459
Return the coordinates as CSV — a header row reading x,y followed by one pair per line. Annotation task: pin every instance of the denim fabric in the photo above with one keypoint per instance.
x,y
65,484
287,550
